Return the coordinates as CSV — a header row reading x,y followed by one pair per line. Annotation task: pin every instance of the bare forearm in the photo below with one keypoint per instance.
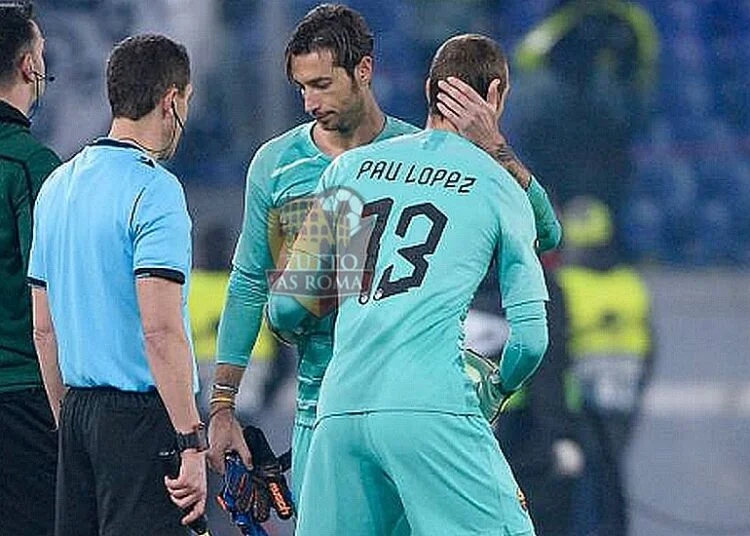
x,y
224,431
172,367
227,379
226,374
46,348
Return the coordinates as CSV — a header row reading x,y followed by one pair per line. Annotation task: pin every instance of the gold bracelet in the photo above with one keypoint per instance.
x,y
222,399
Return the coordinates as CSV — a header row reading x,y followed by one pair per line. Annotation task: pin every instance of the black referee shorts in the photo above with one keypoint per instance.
x,y
110,481
28,460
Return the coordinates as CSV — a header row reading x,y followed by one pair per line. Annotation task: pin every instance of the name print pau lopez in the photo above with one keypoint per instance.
x,y
408,173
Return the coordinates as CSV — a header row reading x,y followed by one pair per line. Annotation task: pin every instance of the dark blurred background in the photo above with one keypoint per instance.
x,y
665,126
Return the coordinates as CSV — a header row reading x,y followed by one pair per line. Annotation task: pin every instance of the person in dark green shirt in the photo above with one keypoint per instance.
x,y
28,441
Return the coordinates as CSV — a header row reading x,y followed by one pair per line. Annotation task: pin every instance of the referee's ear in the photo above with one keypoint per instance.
x,y
167,101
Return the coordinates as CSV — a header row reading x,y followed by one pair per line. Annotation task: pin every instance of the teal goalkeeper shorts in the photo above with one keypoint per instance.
x,y
301,438
444,472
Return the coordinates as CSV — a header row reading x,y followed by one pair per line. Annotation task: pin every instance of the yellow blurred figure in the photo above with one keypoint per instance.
x,y
205,303
609,339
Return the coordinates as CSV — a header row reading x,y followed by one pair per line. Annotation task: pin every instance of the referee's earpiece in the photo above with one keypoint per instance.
x,y
177,117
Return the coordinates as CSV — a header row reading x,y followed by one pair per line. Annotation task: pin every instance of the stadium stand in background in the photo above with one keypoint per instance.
x,y
690,193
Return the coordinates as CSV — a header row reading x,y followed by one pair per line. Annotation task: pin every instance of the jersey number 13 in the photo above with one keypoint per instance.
x,y
414,254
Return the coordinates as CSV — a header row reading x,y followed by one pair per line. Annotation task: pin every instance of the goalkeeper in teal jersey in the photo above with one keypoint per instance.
x,y
329,58
399,429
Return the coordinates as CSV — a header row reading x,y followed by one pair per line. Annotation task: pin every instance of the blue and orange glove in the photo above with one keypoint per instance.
x,y
270,470
249,494
243,497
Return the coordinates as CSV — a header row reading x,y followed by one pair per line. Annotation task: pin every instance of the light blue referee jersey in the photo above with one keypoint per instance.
x,y
106,217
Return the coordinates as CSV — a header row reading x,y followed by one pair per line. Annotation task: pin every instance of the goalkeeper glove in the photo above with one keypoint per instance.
x,y
270,470
244,497
249,494
485,374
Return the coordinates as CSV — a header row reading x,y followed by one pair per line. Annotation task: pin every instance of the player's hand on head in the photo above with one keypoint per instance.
x,y
225,435
189,490
477,119
474,117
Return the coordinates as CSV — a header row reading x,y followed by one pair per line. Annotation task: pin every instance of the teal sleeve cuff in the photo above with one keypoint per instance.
x,y
242,317
526,346
548,228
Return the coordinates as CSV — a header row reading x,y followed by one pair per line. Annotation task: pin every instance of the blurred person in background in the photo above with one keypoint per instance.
x,y
538,432
109,267
28,441
610,343
329,57
585,79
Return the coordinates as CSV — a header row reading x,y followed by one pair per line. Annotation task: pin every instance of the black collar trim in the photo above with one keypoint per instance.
x,y
111,142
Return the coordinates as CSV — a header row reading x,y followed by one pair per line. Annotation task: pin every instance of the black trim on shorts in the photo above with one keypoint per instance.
x,y
164,273
34,282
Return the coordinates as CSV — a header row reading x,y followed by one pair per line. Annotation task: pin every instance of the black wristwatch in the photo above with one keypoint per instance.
x,y
197,439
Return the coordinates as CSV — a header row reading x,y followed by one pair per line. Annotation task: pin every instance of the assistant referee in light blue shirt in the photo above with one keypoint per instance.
x,y
110,263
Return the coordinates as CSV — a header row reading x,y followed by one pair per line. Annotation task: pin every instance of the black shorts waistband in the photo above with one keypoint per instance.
x,y
113,398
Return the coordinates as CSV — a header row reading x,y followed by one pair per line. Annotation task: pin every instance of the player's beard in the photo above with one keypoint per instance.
x,y
350,117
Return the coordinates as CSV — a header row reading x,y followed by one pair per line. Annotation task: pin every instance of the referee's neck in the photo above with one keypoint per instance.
x,y
147,132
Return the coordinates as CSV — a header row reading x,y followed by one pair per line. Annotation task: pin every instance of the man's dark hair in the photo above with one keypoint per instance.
x,y
140,70
472,58
16,37
333,27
